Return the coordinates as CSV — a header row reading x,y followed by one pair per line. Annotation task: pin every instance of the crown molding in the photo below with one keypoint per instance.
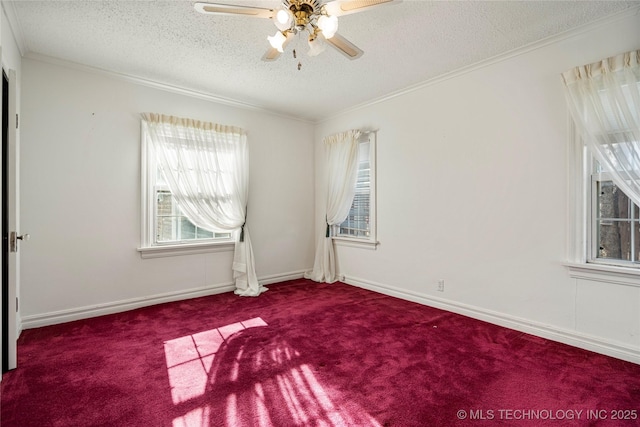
x,y
14,24
162,86
607,20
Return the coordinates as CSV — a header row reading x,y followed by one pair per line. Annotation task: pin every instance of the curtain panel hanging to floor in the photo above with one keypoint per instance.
x,y
342,166
604,100
206,166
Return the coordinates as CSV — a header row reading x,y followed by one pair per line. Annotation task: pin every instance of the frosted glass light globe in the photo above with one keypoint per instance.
x,y
328,25
283,19
277,41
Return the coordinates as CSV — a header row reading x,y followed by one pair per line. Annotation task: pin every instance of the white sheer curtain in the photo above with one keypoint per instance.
x,y
342,166
604,100
206,166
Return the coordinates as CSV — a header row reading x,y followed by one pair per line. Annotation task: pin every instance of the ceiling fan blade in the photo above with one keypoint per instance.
x,y
345,7
229,9
345,47
272,53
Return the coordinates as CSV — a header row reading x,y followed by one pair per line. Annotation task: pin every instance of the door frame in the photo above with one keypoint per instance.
x,y
9,342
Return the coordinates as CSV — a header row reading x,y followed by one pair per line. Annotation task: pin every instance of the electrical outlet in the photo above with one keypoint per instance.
x,y
441,285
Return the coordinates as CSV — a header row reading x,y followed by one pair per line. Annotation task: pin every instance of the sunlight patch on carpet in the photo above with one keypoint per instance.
x,y
197,417
189,358
237,377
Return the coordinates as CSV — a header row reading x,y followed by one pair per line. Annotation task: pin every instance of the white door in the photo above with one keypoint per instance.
x,y
12,221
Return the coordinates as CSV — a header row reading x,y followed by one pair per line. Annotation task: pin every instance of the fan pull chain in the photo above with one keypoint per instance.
x,y
295,56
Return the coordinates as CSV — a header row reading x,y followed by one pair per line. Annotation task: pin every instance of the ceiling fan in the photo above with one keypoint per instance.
x,y
318,18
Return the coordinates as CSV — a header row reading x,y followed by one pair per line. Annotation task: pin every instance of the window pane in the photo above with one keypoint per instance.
x,y
173,226
616,224
614,240
166,229
203,234
187,229
165,203
357,222
636,241
612,202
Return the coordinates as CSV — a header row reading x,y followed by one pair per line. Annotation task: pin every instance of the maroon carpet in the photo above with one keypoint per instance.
x,y
307,354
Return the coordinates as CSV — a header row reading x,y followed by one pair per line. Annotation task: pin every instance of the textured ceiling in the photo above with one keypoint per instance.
x,y
405,44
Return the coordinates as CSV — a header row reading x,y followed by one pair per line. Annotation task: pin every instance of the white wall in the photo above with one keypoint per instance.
x,y
81,195
472,189
11,57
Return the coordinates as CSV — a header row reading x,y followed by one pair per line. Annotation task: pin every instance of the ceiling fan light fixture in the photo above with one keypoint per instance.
x,y
277,41
318,18
283,19
328,25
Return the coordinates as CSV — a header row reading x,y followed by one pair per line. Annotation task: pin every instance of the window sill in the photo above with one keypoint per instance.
x,y
628,276
356,243
185,249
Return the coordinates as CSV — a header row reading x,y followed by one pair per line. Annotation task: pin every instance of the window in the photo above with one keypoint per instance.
x,y
611,220
604,102
359,227
166,230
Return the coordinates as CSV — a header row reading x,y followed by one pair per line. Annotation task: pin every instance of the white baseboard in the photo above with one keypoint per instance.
x,y
62,316
565,336
277,278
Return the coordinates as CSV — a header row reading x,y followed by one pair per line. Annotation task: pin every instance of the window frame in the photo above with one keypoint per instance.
x,y
371,241
149,248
